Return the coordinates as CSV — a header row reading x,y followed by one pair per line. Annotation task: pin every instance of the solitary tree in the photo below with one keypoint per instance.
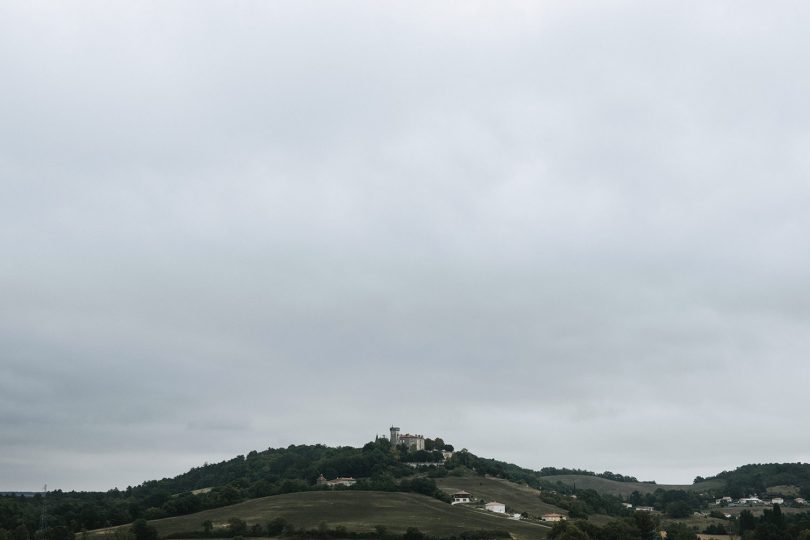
x,y
143,531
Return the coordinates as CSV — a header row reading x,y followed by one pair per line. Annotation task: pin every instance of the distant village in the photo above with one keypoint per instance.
x,y
753,500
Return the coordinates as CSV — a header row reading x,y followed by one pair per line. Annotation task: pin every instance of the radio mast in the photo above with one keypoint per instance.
x,y
42,516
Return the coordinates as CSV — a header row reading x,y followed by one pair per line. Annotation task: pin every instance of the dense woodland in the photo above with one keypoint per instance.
x,y
377,466
258,474
757,478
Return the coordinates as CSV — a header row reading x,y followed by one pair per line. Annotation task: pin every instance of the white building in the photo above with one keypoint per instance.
x,y
799,500
496,507
777,500
415,442
645,509
339,481
461,497
554,517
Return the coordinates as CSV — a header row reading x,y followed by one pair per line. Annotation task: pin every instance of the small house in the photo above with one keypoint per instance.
x,y
461,497
494,506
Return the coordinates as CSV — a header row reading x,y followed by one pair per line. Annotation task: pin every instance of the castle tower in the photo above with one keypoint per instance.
x,y
394,435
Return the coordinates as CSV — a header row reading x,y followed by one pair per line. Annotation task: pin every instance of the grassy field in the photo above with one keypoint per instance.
x,y
603,485
519,498
355,510
790,491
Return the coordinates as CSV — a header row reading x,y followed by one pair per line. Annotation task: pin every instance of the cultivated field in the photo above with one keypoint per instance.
x,y
355,510
519,498
603,485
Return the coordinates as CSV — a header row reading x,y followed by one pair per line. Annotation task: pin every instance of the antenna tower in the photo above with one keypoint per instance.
x,y
42,516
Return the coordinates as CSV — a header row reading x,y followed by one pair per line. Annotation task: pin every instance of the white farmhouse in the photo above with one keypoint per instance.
x,y
496,507
461,497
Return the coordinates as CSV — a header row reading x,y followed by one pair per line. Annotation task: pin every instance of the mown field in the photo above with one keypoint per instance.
x,y
519,498
355,510
603,485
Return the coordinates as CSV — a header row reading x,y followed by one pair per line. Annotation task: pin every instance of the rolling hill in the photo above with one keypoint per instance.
x,y
519,498
612,487
281,482
358,511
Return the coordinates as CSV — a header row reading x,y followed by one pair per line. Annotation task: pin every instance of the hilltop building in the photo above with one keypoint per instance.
x,y
415,442
461,497
339,481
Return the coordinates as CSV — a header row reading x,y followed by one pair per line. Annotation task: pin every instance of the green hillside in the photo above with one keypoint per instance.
x,y
381,469
517,497
759,477
623,489
358,511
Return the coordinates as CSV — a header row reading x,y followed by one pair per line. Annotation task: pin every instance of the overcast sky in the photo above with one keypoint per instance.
x,y
558,234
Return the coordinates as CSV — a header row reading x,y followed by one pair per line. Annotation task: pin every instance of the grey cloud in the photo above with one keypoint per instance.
x,y
561,234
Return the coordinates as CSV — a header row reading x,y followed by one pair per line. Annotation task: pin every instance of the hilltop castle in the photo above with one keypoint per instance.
x,y
415,442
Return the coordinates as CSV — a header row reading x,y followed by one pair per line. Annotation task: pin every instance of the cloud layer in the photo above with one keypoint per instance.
x,y
559,234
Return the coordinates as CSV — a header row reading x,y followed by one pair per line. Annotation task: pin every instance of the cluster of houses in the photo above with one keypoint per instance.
x,y
753,500
464,497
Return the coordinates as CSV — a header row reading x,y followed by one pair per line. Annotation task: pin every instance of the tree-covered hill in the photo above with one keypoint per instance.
x,y
258,474
377,466
756,478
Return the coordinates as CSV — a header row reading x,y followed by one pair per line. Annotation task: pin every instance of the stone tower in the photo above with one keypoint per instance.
x,y
394,435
